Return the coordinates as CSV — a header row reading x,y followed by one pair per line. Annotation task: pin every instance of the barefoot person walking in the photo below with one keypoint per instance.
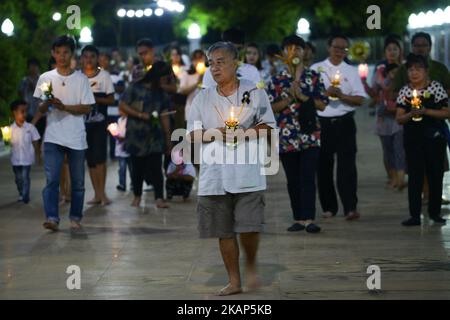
x,y
71,98
230,196
97,135
147,133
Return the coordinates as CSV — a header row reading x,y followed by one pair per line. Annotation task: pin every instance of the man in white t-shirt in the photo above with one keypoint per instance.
x,y
71,98
231,195
245,71
96,122
338,130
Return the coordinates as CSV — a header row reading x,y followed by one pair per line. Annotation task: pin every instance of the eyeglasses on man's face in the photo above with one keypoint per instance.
x,y
337,48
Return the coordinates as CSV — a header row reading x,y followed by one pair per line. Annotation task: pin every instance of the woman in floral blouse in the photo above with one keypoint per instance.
x,y
295,95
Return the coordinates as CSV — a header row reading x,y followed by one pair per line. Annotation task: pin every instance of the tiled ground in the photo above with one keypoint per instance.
x,y
150,253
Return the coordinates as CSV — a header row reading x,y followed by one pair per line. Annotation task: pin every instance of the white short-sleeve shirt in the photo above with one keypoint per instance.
x,y
350,84
219,178
63,128
22,150
188,169
245,71
102,83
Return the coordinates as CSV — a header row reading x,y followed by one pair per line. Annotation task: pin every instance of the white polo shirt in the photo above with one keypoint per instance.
x,y
245,71
63,128
219,178
22,150
351,84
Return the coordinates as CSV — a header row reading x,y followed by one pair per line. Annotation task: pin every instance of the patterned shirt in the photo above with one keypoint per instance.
x,y
433,96
144,137
292,136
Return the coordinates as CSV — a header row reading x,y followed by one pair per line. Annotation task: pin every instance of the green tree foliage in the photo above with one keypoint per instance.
x,y
271,20
34,32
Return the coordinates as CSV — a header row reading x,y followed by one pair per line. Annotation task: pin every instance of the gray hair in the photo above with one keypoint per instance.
x,y
222,45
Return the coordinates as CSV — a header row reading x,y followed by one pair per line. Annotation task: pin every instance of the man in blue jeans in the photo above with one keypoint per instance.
x,y
71,98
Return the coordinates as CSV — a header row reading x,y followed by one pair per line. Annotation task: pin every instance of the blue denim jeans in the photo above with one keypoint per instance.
x,y
123,164
22,174
53,162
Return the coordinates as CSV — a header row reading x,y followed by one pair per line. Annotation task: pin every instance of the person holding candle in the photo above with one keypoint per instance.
x,y
422,107
295,96
253,57
178,99
121,154
191,80
24,144
231,196
387,128
146,53
96,122
338,130
176,60
147,131
421,44
168,82
65,132
245,71
180,177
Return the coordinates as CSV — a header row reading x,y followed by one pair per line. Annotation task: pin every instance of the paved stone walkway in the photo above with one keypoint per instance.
x,y
150,253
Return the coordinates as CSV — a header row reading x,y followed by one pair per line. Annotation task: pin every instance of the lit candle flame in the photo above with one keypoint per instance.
x,y
113,128
200,68
363,70
415,93
176,69
6,133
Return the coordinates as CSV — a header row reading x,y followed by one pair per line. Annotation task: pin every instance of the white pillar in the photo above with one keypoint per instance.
x,y
194,44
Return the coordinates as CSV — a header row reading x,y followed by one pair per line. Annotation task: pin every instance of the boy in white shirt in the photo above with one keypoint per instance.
x,y
180,177
24,144
120,153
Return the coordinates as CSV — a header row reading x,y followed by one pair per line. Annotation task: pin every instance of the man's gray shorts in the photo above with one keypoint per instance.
x,y
223,216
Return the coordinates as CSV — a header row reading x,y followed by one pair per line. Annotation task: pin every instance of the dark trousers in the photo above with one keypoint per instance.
x,y
112,140
300,168
178,187
22,175
338,137
148,166
425,157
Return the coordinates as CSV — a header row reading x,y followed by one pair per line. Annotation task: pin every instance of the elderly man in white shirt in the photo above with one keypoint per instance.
x,y
339,130
231,196
245,71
